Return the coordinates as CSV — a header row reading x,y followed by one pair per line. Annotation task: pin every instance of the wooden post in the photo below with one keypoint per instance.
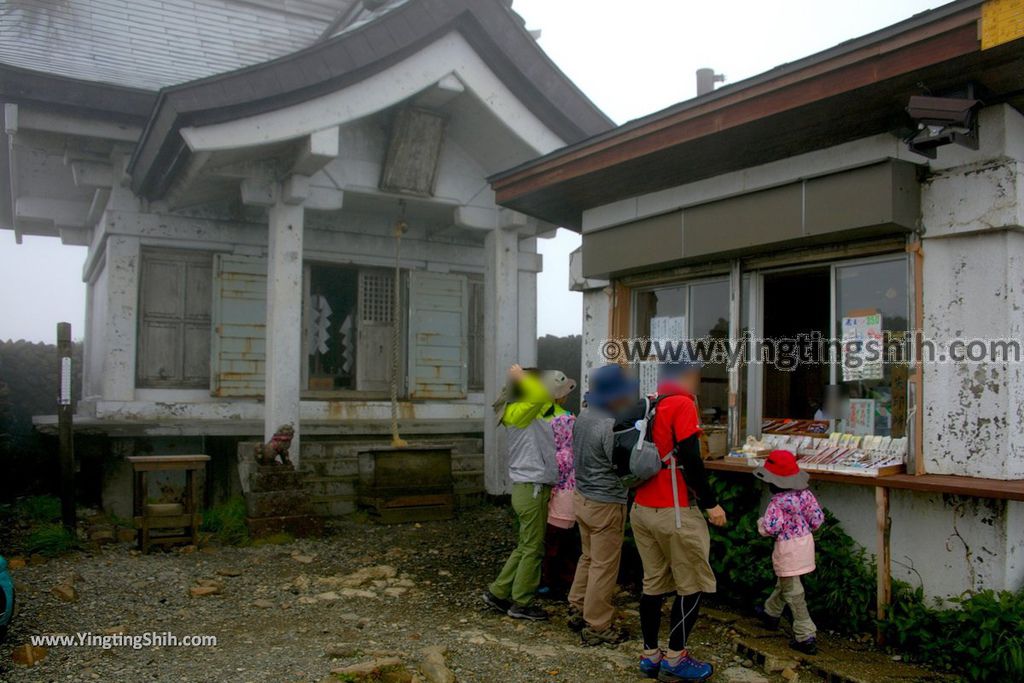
x,y
917,378
884,560
736,304
64,427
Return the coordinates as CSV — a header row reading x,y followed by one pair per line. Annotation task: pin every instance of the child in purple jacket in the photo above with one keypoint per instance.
x,y
792,515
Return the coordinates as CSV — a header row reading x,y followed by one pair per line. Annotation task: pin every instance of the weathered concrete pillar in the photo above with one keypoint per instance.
x,y
597,310
528,308
972,213
284,321
121,278
501,344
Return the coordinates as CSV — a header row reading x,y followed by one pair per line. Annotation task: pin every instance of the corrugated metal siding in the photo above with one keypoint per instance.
x,y
155,43
438,310
238,350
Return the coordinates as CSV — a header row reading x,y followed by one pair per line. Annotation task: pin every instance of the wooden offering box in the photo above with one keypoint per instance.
x,y
182,519
408,484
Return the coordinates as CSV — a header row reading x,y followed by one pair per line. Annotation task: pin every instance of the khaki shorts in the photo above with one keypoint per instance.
x,y
675,560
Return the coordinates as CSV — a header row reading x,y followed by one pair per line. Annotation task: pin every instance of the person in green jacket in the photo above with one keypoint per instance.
x,y
531,401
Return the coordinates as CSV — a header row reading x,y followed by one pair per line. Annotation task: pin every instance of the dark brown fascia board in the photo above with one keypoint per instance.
x,y
76,96
351,57
917,21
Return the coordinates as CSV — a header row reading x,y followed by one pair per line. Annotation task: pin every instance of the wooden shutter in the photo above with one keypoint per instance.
x,y
238,347
374,328
174,319
438,312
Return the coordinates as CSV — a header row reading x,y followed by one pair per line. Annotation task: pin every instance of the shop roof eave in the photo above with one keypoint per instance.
x,y
926,40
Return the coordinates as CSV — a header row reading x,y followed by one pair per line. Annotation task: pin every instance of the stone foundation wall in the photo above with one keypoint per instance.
x,y
330,469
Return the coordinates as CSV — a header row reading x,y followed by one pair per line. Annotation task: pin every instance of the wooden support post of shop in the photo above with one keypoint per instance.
x,y
884,560
64,428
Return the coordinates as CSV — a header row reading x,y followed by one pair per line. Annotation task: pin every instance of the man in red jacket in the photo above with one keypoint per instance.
x,y
671,533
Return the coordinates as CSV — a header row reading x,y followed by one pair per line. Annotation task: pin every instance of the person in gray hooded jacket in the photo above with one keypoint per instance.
x,y
600,505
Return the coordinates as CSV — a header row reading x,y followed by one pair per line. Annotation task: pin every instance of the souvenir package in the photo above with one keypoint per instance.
x,y
849,454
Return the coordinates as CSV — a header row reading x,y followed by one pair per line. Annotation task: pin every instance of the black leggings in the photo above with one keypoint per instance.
x,y
685,611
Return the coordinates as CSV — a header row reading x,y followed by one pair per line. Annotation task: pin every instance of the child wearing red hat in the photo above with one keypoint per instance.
x,y
792,515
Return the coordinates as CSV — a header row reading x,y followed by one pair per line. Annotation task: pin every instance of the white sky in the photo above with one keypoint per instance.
x,y
631,58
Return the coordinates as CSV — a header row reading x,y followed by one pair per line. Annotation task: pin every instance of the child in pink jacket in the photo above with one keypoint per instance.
x,y
792,515
561,540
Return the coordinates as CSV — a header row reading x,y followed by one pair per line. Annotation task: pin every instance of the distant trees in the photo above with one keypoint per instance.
x,y
565,354
29,386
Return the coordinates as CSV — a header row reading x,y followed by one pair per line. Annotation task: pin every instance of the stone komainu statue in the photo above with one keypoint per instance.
x,y
275,451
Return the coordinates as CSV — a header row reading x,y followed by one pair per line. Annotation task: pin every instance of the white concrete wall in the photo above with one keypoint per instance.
x,y
974,289
947,544
596,323
96,313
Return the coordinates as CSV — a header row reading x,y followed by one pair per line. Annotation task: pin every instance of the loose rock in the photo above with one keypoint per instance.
x,y
368,668
774,663
738,674
433,666
28,655
65,591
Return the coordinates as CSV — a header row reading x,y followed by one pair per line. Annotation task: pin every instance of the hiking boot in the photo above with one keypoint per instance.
x,y
768,621
529,612
650,665
496,603
575,621
613,635
808,647
687,669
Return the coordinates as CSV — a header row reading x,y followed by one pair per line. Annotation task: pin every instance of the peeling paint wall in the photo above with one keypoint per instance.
x,y
974,289
947,544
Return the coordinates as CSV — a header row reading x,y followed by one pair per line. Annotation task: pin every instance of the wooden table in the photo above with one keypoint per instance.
x,y
188,520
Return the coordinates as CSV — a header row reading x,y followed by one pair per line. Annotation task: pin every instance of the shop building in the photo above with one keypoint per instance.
x,y
791,206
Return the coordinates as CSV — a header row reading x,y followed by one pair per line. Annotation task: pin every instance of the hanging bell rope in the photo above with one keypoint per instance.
x,y
400,227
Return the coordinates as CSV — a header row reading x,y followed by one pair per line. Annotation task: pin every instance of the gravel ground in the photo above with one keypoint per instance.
x,y
294,612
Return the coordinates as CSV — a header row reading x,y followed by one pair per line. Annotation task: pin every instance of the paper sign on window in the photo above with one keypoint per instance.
x,y
863,352
860,416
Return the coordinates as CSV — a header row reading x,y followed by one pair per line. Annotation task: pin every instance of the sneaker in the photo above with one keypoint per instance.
x,y
651,665
613,635
496,603
575,621
687,669
530,612
768,621
808,647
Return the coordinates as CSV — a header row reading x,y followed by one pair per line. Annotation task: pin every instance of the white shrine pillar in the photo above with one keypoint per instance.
x,y
284,317
501,342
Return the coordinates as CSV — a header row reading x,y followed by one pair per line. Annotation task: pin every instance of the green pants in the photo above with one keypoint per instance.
x,y
520,576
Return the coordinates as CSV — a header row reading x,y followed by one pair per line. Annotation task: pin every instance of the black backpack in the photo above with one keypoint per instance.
x,y
636,459
634,456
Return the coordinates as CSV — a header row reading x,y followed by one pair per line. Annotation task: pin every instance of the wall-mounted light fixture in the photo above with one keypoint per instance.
x,y
943,121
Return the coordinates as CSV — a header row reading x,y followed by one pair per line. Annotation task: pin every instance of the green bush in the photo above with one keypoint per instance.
x,y
50,540
981,637
227,521
38,508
